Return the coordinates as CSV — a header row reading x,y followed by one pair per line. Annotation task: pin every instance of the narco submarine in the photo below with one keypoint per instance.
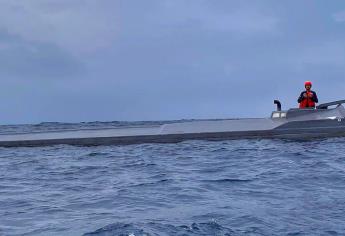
x,y
326,120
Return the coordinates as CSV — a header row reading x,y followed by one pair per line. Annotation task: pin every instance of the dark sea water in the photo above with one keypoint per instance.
x,y
238,187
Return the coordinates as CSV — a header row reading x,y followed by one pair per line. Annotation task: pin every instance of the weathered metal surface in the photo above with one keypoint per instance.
x,y
296,124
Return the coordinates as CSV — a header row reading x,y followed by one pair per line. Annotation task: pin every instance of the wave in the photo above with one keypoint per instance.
x,y
227,180
157,229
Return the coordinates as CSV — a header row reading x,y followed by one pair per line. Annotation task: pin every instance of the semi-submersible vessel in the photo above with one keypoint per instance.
x,y
326,120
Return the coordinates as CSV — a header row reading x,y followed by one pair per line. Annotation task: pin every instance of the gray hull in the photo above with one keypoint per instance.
x,y
294,123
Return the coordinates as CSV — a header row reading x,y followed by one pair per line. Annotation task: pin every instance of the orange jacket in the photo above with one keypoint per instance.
x,y
309,101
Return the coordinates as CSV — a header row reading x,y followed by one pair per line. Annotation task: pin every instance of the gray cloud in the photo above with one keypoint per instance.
x,y
165,59
78,26
339,16
241,19
25,59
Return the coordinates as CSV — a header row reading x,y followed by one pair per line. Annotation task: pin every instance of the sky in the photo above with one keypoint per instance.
x,y
130,60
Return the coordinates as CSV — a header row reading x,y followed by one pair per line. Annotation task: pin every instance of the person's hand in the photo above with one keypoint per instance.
x,y
311,95
305,95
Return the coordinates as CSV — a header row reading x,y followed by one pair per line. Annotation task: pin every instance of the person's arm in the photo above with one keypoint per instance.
x,y
315,99
301,98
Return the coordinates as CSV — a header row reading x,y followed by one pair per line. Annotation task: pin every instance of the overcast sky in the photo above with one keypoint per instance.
x,y
106,60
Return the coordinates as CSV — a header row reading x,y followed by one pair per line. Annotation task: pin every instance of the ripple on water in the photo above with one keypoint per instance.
x,y
240,187
157,229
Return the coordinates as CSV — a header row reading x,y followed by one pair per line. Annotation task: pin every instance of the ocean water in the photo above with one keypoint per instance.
x,y
237,187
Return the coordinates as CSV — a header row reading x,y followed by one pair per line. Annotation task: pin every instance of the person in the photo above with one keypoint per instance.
x,y
308,98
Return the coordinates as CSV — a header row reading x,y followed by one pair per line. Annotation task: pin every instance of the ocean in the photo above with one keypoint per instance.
x,y
236,187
